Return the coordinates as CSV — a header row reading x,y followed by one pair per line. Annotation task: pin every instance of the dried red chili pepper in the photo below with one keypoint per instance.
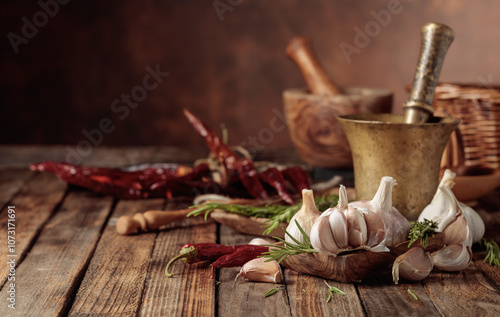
x,y
199,252
246,170
297,177
274,177
239,257
149,182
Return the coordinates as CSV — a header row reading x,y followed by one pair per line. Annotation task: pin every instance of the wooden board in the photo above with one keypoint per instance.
x,y
190,292
239,298
47,278
34,205
103,290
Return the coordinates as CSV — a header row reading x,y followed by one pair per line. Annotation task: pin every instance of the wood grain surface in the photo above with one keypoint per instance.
x,y
72,262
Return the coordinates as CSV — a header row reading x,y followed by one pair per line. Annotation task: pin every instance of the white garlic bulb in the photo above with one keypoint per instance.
x,y
413,265
445,208
329,233
395,226
306,217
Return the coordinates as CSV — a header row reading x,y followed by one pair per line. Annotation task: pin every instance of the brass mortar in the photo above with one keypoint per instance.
x,y
383,145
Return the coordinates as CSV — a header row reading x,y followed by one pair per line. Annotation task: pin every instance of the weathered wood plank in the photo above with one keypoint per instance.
x,y
240,298
11,182
308,295
189,292
34,204
115,279
380,297
48,276
464,293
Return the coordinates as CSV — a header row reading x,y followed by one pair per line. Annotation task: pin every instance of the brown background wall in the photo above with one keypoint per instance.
x,y
233,70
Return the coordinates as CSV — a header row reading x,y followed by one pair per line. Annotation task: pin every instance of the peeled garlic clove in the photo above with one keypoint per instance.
x,y
475,222
453,257
339,228
374,226
414,265
306,217
258,270
357,227
322,236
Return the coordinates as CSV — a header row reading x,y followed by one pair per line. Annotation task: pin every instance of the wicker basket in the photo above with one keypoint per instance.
x,y
477,140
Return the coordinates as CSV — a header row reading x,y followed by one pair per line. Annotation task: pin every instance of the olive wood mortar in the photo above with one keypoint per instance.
x,y
356,266
313,126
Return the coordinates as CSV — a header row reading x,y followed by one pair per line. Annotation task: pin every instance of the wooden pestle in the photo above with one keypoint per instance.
x,y
299,49
154,219
149,220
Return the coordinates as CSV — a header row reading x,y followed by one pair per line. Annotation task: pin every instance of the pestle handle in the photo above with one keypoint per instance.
x,y
299,50
436,39
149,220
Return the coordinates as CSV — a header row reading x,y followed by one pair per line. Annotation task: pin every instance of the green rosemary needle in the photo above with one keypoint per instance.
x,y
422,230
412,294
271,292
333,290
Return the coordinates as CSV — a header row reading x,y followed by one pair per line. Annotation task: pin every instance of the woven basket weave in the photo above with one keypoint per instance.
x,y
477,141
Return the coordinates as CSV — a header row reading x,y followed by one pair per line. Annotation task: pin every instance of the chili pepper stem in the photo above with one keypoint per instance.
x,y
185,254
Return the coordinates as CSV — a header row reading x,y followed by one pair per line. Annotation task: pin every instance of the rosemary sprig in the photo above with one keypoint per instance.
x,y
333,290
278,253
492,251
422,230
412,294
275,213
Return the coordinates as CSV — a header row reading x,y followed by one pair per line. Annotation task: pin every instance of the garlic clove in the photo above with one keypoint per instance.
x,y
322,236
414,265
258,270
458,231
374,226
357,227
453,257
475,222
306,217
339,228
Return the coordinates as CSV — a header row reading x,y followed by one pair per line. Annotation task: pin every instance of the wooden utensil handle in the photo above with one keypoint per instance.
x,y
299,49
149,220
436,39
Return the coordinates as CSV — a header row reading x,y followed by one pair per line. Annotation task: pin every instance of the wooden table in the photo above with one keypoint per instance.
x,y
69,260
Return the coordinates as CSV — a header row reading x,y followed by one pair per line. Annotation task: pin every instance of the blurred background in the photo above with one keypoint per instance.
x,y
73,68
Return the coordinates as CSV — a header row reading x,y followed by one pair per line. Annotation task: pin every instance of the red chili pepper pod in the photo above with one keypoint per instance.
x,y
274,177
298,177
239,257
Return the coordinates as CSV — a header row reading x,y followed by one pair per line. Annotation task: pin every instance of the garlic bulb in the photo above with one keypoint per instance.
x,y
306,217
445,208
453,257
395,227
258,270
329,233
414,265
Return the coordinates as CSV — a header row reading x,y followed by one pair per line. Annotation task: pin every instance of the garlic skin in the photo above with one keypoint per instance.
x,y
453,257
306,217
258,270
396,226
414,265
259,241
474,221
